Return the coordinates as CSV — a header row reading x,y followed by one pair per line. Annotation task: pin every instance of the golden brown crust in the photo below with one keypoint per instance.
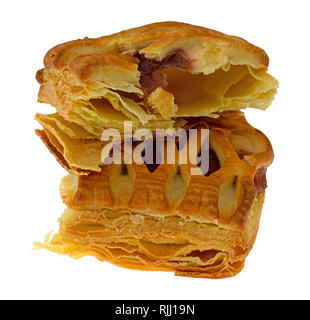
x,y
225,196
74,148
81,66
58,154
135,62
196,226
154,40
142,241
161,75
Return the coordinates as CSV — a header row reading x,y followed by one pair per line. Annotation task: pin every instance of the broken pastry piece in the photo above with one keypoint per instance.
x,y
193,225
154,75
166,76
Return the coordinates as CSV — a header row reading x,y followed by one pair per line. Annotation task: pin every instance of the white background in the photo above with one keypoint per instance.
x,y
277,267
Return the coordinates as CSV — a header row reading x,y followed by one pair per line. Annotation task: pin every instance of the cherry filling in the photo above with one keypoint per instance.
x,y
181,142
260,180
150,70
214,163
151,78
152,165
242,153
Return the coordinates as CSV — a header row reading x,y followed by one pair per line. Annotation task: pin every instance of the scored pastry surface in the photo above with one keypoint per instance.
x,y
143,216
231,138
238,160
164,218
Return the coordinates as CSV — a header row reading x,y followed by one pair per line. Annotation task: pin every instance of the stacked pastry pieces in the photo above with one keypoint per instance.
x,y
158,216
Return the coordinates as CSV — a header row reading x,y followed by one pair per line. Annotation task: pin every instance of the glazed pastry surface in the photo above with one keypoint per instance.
x,y
158,216
194,225
154,75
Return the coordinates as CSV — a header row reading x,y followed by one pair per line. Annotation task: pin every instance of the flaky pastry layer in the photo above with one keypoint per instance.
x,y
164,218
158,217
80,152
139,240
154,75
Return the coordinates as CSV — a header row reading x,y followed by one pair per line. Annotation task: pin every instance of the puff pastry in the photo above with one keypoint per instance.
x,y
201,226
166,75
153,75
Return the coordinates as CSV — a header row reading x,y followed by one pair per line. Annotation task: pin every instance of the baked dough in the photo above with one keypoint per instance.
x,y
147,241
166,75
154,75
80,152
194,225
